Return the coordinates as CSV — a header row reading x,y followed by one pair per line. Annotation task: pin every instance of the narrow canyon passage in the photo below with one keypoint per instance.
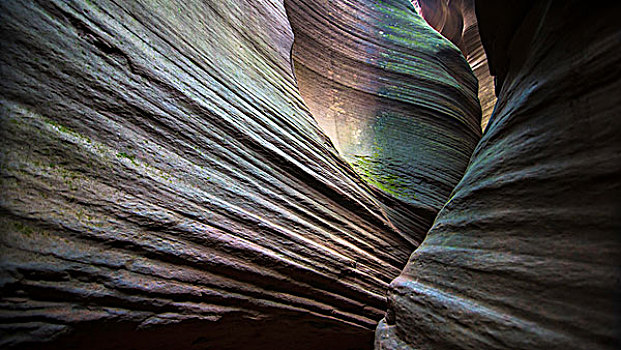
x,y
284,174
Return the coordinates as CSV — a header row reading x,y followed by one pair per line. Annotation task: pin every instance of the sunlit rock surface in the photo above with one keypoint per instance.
x,y
456,20
525,255
396,98
164,185
478,61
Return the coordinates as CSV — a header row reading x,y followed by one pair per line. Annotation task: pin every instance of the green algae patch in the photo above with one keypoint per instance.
x,y
370,170
131,157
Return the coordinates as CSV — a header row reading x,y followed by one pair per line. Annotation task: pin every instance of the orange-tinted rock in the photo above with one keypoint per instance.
x,y
456,20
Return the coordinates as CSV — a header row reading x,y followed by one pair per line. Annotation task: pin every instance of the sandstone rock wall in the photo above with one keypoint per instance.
x,y
164,185
525,254
456,20
397,99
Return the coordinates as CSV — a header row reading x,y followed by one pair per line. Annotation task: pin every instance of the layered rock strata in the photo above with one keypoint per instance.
x,y
164,185
397,99
456,20
478,61
525,255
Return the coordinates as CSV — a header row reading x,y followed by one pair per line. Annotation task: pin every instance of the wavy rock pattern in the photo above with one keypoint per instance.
x,y
478,61
164,185
456,20
449,17
526,253
396,98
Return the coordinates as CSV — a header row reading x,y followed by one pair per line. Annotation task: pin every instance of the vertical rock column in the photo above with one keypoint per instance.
x,y
397,99
525,255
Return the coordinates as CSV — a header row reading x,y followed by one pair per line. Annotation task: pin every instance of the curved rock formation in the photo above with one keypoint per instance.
x,y
525,255
449,17
396,98
164,186
456,20
478,61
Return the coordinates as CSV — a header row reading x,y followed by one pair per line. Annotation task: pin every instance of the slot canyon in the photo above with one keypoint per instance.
x,y
310,174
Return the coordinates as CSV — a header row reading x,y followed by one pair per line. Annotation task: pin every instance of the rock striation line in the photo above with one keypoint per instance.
x,y
456,20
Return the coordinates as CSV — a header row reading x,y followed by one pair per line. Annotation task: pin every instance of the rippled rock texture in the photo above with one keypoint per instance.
x,y
397,99
164,185
526,252
456,20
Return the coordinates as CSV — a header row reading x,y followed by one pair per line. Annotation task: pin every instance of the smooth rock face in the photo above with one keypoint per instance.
x,y
397,99
526,253
164,185
456,20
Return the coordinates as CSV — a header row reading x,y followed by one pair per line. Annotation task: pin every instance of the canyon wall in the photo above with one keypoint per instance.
x,y
164,186
397,99
525,254
456,20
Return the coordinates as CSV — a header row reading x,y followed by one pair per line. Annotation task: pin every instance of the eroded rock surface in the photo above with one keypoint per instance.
x,y
525,255
164,186
397,99
456,20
